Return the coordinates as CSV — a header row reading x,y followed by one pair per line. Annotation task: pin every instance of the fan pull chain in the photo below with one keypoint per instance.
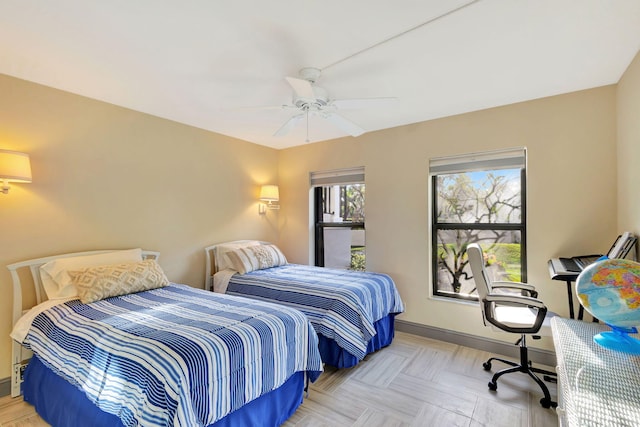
x,y
307,111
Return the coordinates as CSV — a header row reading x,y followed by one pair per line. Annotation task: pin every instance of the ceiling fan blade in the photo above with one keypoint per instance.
x,y
288,125
301,87
347,104
344,124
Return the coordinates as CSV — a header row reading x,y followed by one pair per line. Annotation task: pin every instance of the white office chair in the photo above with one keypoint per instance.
x,y
511,307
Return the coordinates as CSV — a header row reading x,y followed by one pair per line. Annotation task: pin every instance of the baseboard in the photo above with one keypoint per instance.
x,y
5,387
544,357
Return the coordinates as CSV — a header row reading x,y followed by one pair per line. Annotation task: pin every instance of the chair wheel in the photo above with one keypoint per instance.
x,y
493,387
486,366
547,403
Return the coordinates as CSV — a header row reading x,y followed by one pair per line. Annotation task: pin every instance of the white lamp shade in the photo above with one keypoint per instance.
x,y
269,193
15,166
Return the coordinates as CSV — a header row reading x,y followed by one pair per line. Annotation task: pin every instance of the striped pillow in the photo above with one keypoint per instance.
x,y
252,258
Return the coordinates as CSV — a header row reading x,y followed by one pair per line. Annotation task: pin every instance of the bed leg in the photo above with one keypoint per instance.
x,y
306,385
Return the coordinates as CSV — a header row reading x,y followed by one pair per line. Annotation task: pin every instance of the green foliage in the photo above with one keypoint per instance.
x,y
358,260
509,253
352,202
505,255
513,273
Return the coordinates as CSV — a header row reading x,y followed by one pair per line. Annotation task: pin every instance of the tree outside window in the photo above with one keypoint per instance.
x,y
480,206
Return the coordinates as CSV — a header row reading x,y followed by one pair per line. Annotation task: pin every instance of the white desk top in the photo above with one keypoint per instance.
x,y
599,387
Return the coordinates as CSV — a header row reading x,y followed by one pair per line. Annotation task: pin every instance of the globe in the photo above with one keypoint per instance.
x,y
610,290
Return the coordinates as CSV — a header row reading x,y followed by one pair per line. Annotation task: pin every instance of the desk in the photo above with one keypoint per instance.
x,y
596,386
568,279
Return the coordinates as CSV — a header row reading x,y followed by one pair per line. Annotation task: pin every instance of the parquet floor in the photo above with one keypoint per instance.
x,y
414,382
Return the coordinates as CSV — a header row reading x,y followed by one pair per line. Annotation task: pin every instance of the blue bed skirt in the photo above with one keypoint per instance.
x,y
61,404
336,356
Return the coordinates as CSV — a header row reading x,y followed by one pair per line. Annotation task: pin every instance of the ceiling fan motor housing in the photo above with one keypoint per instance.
x,y
320,99
310,73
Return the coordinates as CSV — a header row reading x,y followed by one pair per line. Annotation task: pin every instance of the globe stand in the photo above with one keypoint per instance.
x,y
618,339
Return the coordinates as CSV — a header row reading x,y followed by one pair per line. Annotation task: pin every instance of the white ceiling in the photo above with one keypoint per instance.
x,y
199,62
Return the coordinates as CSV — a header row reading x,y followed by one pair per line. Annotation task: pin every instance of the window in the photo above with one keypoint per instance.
x,y
339,198
477,198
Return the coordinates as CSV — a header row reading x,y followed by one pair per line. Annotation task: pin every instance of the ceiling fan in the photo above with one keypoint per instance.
x,y
309,98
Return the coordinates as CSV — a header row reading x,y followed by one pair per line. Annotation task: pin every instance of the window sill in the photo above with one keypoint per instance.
x,y
454,300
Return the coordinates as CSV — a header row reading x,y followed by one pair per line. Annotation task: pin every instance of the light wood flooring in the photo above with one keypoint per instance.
x,y
414,382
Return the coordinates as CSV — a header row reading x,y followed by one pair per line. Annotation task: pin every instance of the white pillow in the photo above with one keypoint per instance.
x,y
56,280
221,260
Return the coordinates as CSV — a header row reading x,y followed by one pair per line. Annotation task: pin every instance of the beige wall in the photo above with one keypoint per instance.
x,y
629,148
571,144
107,177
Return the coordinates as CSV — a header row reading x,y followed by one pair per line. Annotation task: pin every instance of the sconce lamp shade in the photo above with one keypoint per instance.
x,y
269,193
14,166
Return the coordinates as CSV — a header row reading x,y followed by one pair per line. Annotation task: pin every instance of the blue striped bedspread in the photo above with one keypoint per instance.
x,y
175,355
342,305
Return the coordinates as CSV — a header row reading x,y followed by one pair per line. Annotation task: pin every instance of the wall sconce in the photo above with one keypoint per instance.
x,y
271,195
14,167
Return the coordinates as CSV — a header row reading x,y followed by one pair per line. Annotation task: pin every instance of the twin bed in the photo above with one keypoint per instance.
x,y
130,348
352,312
111,342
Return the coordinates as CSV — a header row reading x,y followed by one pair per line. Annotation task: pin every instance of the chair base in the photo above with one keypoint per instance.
x,y
525,367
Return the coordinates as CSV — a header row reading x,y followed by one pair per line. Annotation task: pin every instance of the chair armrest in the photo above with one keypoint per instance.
x,y
515,299
494,299
516,285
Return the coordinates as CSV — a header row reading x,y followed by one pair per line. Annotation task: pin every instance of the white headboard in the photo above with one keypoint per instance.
x,y
211,261
19,354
